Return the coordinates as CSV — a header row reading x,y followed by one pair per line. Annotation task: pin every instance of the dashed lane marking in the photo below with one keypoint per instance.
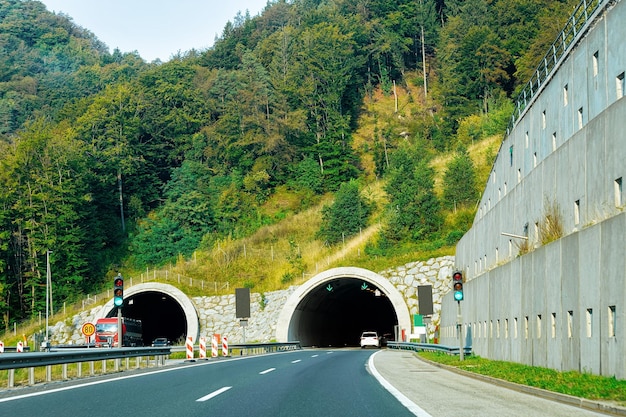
x,y
214,394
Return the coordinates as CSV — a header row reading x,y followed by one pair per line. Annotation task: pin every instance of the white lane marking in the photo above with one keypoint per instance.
x,y
267,371
296,361
313,356
410,405
329,352
213,394
120,378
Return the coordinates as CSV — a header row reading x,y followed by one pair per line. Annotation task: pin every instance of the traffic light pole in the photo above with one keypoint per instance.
x,y
120,335
459,325
118,301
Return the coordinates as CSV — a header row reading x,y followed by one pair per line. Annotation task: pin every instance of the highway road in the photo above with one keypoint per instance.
x,y
300,383
311,382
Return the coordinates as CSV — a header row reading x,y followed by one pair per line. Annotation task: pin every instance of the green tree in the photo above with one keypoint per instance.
x,y
306,176
160,238
47,199
322,74
175,108
346,216
414,210
550,18
459,181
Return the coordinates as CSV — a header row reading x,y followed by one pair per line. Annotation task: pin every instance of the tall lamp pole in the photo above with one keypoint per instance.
x,y
48,293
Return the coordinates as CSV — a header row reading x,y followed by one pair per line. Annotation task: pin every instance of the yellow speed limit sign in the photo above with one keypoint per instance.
x,y
88,329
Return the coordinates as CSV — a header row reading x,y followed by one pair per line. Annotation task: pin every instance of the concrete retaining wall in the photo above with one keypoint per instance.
x,y
560,306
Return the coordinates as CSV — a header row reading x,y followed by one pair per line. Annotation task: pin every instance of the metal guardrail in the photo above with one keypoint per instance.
x,y
261,348
72,354
429,347
246,349
59,357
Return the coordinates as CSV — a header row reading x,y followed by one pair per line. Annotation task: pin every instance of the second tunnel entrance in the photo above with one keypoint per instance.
x,y
336,306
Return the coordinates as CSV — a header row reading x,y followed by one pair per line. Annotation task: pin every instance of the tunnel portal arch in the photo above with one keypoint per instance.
x,y
335,306
164,309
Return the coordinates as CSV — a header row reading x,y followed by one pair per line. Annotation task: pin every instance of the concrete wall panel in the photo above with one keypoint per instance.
x,y
612,296
596,179
554,308
589,299
573,284
596,46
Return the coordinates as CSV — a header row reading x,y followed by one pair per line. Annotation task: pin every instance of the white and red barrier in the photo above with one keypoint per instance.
x,y
224,346
214,343
20,347
1,347
189,347
203,348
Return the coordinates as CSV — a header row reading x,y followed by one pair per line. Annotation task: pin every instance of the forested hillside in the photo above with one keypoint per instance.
x,y
109,161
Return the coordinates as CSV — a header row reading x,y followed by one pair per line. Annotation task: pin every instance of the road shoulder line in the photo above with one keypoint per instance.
x,y
404,400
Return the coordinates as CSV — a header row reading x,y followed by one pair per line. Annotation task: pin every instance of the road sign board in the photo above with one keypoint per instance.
x,y
88,329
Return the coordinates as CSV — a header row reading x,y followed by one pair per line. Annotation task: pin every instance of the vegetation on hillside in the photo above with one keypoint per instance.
x,y
114,163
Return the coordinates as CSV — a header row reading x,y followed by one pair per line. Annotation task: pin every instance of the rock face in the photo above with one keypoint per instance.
x,y
217,313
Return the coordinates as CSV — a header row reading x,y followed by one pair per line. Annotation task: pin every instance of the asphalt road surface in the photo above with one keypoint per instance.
x,y
301,383
318,382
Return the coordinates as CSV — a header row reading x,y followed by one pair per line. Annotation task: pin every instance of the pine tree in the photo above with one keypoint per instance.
x,y
346,216
459,182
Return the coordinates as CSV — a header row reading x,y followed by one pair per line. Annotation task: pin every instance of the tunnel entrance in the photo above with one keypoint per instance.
x,y
164,311
335,307
160,315
336,313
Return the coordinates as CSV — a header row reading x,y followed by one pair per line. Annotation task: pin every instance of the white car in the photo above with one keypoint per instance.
x,y
369,339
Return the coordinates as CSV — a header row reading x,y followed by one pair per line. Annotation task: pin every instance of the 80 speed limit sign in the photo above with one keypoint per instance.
x,y
88,329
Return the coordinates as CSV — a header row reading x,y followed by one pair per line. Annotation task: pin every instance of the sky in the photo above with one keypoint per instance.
x,y
155,28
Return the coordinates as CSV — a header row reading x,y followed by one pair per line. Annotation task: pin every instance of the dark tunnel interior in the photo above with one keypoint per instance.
x,y
337,312
160,314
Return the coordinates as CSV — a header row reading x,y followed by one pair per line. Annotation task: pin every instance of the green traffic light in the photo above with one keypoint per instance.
x,y
118,291
458,295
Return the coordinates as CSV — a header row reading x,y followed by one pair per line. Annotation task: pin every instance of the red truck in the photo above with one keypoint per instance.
x,y
107,336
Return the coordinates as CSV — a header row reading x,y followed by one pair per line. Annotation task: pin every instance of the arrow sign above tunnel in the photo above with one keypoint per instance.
x,y
329,288
364,286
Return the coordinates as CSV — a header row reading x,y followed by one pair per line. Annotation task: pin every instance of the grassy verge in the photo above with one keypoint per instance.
x,y
584,385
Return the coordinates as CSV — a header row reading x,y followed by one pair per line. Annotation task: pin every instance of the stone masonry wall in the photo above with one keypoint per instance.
x,y
217,313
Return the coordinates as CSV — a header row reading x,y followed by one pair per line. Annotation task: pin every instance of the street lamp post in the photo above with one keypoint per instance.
x,y
48,295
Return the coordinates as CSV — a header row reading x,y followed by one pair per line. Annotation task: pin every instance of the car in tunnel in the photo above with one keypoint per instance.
x,y
369,339
161,342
